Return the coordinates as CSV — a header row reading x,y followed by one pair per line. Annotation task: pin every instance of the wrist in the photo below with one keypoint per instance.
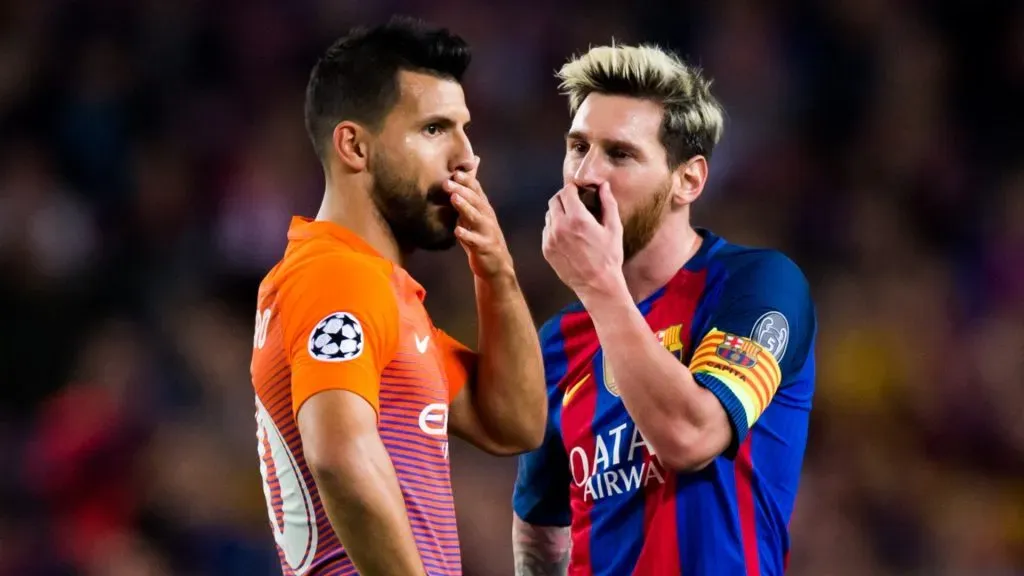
x,y
617,321
607,292
502,282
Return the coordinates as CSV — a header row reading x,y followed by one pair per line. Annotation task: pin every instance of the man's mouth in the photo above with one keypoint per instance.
x,y
591,200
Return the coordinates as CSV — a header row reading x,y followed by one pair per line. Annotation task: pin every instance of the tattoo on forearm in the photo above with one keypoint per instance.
x,y
540,550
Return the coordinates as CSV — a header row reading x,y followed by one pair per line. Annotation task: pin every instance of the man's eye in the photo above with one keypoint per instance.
x,y
433,129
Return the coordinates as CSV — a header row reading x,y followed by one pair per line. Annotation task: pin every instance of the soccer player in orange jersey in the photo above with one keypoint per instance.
x,y
356,389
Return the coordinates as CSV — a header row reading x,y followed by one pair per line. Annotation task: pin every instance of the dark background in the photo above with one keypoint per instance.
x,y
151,153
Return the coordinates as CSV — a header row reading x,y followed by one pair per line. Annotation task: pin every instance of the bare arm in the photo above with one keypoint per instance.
x,y
357,483
502,409
683,422
690,415
540,550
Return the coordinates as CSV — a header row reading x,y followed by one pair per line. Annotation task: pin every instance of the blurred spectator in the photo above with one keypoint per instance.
x,y
152,154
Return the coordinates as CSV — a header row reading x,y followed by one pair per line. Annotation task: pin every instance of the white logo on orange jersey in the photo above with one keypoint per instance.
x,y
289,503
434,421
421,345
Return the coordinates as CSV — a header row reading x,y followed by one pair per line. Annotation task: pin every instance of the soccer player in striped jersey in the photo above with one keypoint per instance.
x,y
680,384
356,389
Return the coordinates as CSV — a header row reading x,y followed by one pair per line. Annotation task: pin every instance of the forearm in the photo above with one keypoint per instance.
x,y
364,503
669,407
540,550
509,394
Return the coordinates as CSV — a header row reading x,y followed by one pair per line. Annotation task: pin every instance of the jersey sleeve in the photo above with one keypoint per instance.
x,y
459,362
541,492
759,334
340,320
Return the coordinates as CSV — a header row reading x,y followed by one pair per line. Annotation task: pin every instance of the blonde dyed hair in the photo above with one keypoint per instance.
x,y
694,120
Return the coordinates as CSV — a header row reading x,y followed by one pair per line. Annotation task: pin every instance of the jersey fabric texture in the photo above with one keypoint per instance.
x,y
742,320
335,315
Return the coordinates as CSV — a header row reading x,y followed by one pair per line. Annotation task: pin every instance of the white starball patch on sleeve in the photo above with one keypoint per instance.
x,y
336,338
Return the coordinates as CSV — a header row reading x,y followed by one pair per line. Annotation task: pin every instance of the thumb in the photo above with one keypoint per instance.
x,y
609,207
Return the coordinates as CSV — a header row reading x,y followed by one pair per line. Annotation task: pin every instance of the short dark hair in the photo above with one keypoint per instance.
x,y
357,77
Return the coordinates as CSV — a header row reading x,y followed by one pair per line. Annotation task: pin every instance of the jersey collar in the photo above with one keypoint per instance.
x,y
710,244
302,228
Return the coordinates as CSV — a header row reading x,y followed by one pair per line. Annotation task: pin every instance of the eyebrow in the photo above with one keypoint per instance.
x,y
604,142
443,120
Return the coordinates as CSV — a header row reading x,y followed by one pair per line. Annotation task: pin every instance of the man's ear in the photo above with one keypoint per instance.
x,y
688,181
351,145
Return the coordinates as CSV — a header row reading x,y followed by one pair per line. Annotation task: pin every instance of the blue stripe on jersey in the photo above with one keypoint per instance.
x,y
708,545
541,492
556,364
710,246
709,525
734,511
776,444
617,518
714,284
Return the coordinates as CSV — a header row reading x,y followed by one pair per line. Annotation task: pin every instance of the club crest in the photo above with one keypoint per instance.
x,y
738,351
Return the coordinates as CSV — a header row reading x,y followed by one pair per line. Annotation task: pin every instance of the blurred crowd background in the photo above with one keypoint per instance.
x,y
152,152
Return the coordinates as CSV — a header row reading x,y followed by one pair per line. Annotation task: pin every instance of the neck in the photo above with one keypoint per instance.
x,y
348,204
667,252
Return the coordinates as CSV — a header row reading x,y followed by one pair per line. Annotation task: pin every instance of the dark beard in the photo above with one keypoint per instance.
x,y
417,221
639,228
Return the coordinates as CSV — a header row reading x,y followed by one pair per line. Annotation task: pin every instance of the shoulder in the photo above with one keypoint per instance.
x,y
321,284
748,270
324,267
764,295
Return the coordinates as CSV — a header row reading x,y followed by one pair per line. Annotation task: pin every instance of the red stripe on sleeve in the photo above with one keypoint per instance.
x,y
744,469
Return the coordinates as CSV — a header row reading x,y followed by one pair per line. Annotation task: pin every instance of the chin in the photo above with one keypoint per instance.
x,y
438,232
439,242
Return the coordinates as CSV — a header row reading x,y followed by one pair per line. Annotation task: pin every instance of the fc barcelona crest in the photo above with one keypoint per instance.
x,y
671,339
738,351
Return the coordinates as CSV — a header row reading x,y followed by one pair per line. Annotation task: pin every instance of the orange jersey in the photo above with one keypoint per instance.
x,y
335,315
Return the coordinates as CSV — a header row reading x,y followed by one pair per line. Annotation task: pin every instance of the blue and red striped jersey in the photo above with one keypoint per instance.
x,y
743,321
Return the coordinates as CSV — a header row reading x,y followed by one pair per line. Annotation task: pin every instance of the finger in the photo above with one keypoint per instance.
x,y
469,180
469,213
609,206
469,238
571,200
545,237
555,208
473,197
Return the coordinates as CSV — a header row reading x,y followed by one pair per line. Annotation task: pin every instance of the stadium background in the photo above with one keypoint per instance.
x,y
153,151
